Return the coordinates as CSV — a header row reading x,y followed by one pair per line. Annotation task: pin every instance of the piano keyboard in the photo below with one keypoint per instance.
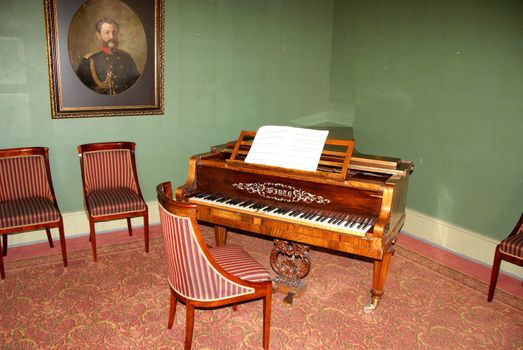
x,y
344,223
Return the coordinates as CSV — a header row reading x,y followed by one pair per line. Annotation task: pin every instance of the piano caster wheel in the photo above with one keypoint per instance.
x,y
372,306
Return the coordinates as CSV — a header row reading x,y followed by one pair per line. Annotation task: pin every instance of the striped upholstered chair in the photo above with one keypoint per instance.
x,y
111,188
27,199
205,277
510,249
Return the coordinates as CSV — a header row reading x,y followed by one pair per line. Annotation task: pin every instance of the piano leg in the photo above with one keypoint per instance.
x,y
220,235
380,270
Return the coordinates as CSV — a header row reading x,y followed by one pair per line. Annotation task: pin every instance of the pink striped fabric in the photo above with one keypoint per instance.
x,y
114,201
239,263
190,272
27,211
108,169
23,177
513,245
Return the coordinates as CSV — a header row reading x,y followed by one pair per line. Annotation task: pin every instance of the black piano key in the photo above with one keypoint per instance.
x,y
323,217
309,216
344,219
350,220
304,214
363,223
336,219
292,211
355,223
315,215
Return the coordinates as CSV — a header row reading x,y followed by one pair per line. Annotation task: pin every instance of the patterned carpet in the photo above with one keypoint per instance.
x,y
121,302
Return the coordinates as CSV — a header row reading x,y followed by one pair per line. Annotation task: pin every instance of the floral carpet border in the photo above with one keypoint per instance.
x,y
471,282
56,258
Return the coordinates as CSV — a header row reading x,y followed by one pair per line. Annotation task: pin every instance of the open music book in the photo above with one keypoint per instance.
x,y
287,147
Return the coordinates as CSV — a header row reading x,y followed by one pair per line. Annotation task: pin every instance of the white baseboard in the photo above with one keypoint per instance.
x,y
447,236
456,239
76,224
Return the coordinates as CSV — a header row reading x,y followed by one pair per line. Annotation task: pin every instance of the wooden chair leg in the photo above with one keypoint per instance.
x,y
267,306
62,242
494,275
4,248
189,325
129,227
49,237
234,307
92,237
172,310
2,271
146,231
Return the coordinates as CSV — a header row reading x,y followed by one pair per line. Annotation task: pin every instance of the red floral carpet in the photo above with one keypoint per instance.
x,y
121,302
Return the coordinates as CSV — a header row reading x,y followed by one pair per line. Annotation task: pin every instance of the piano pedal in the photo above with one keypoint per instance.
x,y
289,298
293,288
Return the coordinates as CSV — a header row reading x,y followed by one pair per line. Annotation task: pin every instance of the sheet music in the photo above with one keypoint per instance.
x,y
287,147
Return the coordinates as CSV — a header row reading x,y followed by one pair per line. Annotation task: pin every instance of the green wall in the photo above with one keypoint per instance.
x,y
439,83
229,65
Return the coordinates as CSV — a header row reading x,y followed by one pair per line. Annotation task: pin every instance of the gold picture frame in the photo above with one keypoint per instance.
x,y
105,57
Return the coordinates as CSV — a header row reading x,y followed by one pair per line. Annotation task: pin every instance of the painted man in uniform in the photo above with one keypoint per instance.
x,y
110,70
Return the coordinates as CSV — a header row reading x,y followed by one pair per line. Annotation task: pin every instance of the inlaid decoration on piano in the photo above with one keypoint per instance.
x,y
352,203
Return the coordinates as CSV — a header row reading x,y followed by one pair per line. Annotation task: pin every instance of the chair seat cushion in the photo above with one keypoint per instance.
x,y
239,263
27,211
513,245
114,201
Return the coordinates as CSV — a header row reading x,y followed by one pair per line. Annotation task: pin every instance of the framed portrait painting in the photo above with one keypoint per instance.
x,y
105,57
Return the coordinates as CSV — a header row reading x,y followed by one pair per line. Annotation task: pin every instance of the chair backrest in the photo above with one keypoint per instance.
x,y
518,229
24,173
193,273
108,165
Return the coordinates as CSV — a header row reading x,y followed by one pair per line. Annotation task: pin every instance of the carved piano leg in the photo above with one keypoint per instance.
x,y
380,270
220,235
292,262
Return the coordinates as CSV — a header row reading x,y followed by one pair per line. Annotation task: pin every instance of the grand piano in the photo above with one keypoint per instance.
x,y
352,203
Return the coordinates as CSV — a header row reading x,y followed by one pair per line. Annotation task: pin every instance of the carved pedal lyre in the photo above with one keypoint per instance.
x,y
292,262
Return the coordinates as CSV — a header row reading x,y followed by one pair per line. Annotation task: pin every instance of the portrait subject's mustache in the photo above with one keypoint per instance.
x,y
110,43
